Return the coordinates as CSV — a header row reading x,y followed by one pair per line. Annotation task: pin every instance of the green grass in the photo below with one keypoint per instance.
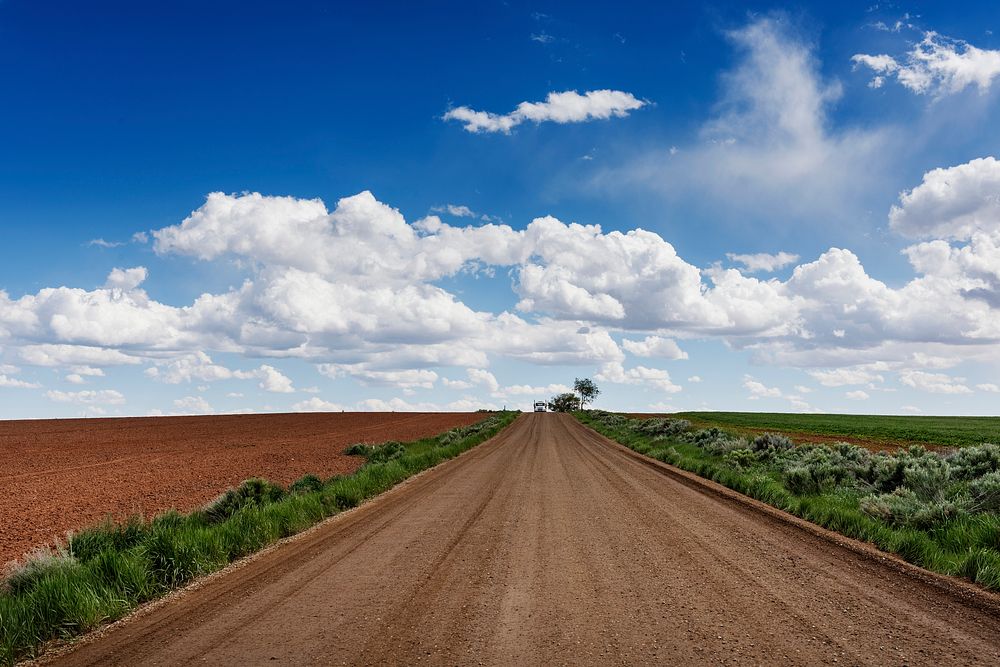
x,y
965,543
109,569
947,431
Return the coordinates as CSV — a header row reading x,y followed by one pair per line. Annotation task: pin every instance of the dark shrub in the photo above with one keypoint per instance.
x,y
386,452
254,492
306,484
771,441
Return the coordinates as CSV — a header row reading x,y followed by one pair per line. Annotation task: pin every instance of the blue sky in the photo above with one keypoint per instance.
x,y
703,206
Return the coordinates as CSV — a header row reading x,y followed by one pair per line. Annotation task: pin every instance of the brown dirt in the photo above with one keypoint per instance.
x,y
551,545
65,474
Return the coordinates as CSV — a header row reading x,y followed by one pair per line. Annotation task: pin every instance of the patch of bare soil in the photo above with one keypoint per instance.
x,y
65,474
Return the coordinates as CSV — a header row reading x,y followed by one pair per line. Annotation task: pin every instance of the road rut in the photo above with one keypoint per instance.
x,y
551,545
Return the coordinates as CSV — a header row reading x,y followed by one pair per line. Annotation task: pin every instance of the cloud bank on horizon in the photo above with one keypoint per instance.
x,y
390,313
353,291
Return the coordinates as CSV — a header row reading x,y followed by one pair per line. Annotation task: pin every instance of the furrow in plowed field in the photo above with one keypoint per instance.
x,y
65,474
551,545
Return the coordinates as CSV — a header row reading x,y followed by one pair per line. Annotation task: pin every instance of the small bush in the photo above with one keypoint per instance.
x,y
975,461
725,445
984,493
771,441
107,536
37,565
704,435
928,478
661,426
358,449
821,469
741,458
387,452
252,492
903,507
306,484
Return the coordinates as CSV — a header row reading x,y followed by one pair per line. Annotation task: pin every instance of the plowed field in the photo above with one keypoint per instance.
x,y
58,475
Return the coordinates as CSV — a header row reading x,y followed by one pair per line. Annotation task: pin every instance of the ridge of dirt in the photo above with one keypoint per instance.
x,y
550,544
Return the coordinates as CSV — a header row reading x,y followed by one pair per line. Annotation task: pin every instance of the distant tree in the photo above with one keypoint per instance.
x,y
587,390
564,403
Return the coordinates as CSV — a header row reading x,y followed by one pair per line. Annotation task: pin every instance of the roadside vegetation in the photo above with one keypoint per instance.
x,y
938,511
104,572
944,431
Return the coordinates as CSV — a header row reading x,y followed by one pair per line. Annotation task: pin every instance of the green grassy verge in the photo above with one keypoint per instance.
x,y
947,431
106,571
939,512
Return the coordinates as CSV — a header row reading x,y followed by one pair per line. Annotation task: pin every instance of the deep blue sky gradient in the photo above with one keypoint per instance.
x,y
119,117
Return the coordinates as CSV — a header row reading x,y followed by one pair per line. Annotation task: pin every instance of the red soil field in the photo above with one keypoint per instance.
x,y
67,474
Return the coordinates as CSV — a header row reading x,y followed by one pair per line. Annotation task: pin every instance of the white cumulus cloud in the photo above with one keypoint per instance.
x,y
565,107
937,65
193,405
951,203
937,383
655,346
6,381
763,261
101,397
655,378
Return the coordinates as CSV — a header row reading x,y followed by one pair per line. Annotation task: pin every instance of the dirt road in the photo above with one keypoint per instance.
x,y
550,545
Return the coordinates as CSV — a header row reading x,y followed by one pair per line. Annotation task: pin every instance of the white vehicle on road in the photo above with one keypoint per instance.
x,y
540,406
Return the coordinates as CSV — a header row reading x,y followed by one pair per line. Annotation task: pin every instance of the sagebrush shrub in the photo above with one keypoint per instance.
x,y
661,426
903,507
610,419
725,445
741,458
984,493
928,477
771,441
701,436
975,461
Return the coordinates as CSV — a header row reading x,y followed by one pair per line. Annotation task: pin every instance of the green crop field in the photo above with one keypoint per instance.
x,y
947,431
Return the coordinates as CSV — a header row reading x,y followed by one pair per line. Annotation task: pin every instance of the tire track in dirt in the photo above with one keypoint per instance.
x,y
551,545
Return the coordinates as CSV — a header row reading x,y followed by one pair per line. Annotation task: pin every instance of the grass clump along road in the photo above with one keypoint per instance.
x,y
941,512
889,429
104,572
